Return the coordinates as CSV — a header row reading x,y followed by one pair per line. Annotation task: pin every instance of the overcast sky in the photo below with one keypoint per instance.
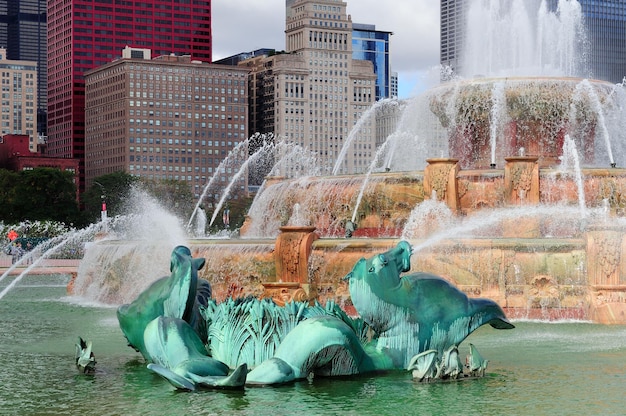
x,y
246,25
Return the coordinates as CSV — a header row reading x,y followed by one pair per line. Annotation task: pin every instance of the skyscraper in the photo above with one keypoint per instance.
x,y
164,118
83,34
606,29
373,45
313,95
453,15
18,106
23,33
604,22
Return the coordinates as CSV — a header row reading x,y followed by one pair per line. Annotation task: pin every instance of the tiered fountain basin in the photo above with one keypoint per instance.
x,y
500,217
488,119
516,235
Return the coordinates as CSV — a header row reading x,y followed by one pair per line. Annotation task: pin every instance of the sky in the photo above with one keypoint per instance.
x,y
247,25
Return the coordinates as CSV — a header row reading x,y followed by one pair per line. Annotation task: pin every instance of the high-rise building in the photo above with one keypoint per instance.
x,y
453,16
373,45
604,21
167,118
23,33
606,29
394,84
313,94
18,105
83,34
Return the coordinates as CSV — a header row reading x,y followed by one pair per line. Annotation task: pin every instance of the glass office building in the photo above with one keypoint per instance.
x,y
606,31
373,45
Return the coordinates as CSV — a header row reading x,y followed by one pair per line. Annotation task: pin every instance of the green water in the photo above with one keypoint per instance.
x,y
535,369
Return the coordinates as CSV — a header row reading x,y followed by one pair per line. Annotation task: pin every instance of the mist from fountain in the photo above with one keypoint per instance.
x,y
141,242
381,151
200,222
48,249
428,218
585,90
481,224
297,219
524,38
292,161
497,113
263,151
509,40
363,121
570,164
235,158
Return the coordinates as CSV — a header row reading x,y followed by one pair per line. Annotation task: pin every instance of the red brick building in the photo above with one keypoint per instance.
x,y
16,156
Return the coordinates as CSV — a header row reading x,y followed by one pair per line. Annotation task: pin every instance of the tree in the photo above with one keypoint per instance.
x,y
8,184
44,194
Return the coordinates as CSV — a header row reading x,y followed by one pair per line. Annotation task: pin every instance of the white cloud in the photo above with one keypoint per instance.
x,y
246,25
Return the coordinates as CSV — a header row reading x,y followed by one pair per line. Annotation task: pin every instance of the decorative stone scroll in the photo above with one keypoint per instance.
x,y
291,253
521,178
440,176
604,248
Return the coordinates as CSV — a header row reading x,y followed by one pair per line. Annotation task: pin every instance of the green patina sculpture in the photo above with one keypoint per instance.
x,y
179,295
413,322
85,359
165,325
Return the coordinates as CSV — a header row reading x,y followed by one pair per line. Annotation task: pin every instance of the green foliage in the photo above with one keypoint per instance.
x,y
38,194
8,184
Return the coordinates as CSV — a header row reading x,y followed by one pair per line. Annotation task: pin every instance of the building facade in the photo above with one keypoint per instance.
x,y
453,20
18,109
23,32
313,94
83,34
373,45
167,118
604,21
606,28
16,155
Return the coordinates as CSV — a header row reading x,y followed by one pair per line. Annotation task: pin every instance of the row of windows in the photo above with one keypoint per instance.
x,y
189,71
188,79
182,142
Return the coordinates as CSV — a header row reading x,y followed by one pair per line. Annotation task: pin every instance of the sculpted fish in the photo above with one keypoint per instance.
x,y
177,353
177,296
85,359
416,312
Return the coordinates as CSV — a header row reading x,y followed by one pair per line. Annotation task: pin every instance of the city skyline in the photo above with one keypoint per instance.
x,y
408,21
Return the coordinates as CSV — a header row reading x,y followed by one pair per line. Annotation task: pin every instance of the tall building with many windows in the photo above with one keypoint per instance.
x,y
23,32
604,21
314,93
606,28
373,45
85,34
18,104
453,16
167,118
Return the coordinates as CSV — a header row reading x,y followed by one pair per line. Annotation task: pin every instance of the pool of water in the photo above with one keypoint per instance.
x,y
537,368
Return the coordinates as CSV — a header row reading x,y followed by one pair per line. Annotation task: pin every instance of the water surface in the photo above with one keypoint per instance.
x,y
537,368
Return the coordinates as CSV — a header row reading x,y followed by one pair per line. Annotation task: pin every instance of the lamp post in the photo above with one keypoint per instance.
x,y
103,212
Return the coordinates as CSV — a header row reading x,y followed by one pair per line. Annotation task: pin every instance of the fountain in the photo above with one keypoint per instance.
x,y
528,213
417,321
